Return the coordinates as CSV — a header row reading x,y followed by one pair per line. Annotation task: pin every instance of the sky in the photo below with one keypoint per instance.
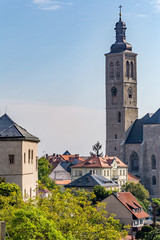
x,y
52,66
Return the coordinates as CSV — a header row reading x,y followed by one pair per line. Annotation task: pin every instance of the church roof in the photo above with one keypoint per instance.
x,y
136,133
155,118
10,130
91,180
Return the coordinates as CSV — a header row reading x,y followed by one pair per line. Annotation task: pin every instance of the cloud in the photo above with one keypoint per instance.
x,y
49,4
156,4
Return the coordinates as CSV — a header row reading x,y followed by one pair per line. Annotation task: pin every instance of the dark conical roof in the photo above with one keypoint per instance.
x,y
10,130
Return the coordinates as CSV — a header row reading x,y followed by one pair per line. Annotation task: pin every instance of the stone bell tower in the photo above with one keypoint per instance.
x,y
121,92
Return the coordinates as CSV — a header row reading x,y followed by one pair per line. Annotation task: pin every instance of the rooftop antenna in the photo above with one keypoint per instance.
x,y
120,14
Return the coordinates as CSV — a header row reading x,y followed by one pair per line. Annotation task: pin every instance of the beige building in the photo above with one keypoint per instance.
x,y
135,141
111,168
18,156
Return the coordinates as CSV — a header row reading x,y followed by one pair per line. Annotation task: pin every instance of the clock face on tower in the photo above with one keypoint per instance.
x,y
114,91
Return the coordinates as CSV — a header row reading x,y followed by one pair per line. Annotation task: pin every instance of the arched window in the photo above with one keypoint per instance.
x,y
153,180
132,70
111,70
119,117
134,160
153,160
127,69
130,92
117,70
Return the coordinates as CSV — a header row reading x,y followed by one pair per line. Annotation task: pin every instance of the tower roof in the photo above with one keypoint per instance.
x,y
10,130
121,44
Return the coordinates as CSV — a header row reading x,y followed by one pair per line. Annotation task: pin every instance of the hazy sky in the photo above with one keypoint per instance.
x,y
52,66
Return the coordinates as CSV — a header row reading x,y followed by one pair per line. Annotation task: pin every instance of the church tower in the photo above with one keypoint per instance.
x,y
121,92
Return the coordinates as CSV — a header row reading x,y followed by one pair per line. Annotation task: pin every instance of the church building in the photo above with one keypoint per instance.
x,y
135,141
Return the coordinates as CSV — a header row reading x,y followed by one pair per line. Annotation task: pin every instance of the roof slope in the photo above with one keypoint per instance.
x,y
136,132
10,130
99,162
91,180
131,203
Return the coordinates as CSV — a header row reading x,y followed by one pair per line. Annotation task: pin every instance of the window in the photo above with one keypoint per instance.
x,y
127,69
114,91
36,163
11,158
120,172
111,70
153,180
117,70
75,172
104,172
115,136
123,172
115,148
153,160
107,172
134,160
24,157
129,92
32,156
132,70
25,192
119,117
29,155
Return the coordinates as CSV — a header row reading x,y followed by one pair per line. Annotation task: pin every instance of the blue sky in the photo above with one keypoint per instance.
x,y
52,65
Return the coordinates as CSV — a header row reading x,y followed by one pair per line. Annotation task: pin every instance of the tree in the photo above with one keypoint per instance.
x,y
137,189
96,148
155,205
101,193
43,173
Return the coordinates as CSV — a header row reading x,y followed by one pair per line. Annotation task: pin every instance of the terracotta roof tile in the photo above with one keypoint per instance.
x,y
132,204
131,177
100,162
63,182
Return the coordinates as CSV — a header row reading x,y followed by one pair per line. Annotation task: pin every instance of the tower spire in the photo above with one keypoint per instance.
x,y
120,14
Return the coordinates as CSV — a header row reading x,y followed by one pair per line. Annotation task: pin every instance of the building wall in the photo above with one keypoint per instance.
x,y
113,205
25,175
59,173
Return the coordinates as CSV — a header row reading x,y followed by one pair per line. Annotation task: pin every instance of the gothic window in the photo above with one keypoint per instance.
x,y
119,117
117,70
130,92
114,91
111,70
127,69
134,160
153,180
153,159
132,70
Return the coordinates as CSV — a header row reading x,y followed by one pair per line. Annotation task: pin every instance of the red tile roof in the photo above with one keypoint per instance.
x,y
100,162
132,204
72,157
62,182
131,177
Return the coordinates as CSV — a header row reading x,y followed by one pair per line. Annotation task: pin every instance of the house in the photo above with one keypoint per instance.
x,y
127,209
18,156
90,180
132,178
111,168
59,174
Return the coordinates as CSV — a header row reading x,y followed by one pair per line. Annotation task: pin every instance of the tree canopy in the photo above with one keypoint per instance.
x,y
97,150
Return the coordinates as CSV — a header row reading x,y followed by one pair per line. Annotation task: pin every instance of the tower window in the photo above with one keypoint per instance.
x,y
117,70
114,91
153,160
153,180
11,158
130,92
132,70
29,155
111,70
127,69
119,117
115,136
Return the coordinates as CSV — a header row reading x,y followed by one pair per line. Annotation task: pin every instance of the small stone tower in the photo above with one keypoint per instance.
x,y
121,92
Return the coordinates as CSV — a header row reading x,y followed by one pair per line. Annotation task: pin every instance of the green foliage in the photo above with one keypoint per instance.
x,y
43,173
153,235
101,193
145,230
155,205
137,189
63,216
